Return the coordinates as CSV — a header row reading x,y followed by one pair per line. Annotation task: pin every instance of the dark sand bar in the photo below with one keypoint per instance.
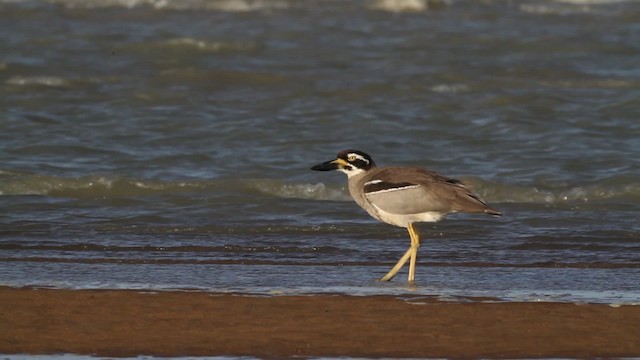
x,y
130,323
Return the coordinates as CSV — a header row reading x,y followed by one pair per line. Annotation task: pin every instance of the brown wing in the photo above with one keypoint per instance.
x,y
402,190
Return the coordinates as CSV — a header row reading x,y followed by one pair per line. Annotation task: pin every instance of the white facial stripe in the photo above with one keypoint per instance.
x,y
358,157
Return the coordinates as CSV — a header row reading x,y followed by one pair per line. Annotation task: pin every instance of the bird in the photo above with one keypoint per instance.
x,y
402,196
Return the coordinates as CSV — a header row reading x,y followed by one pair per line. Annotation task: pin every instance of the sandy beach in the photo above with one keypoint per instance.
x,y
130,323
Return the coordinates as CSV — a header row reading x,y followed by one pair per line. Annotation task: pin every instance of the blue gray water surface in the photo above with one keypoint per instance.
x,y
167,144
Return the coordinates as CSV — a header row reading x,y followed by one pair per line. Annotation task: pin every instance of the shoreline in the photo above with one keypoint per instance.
x,y
174,323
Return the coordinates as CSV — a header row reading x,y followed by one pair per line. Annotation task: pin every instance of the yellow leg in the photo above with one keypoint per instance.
x,y
397,267
411,252
415,244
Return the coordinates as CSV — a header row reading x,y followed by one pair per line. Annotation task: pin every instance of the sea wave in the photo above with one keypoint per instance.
x,y
241,6
12,183
318,191
208,46
407,6
625,189
568,7
617,187
558,7
50,81
215,5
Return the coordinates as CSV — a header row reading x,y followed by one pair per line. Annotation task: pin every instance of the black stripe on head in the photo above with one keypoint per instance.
x,y
357,158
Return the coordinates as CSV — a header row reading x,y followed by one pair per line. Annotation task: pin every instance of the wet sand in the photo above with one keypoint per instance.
x,y
130,323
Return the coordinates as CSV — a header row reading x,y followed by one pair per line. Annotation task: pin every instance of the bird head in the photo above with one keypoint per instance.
x,y
350,162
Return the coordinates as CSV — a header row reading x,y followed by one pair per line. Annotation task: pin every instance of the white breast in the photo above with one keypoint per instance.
x,y
403,220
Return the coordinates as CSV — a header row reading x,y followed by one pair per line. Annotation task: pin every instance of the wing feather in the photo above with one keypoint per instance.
x,y
425,191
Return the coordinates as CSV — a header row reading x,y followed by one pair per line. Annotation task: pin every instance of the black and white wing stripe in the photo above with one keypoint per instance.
x,y
377,186
395,197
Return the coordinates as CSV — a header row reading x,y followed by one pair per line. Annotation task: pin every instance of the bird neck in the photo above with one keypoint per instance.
x,y
355,182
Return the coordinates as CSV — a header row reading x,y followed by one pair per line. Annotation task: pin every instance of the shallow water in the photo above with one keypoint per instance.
x,y
167,144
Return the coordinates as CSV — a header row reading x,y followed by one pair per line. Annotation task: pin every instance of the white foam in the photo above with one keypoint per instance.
x,y
593,2
407,6
52,81
316,191
213,46
567,7
450,88
222,5
543,9
246,6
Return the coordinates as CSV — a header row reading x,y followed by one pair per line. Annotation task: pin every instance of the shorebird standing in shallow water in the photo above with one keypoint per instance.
x,y
402,196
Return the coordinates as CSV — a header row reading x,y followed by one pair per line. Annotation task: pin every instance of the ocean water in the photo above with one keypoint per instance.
x,y
166,144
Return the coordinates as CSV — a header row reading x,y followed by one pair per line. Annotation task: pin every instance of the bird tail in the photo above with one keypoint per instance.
x,y
471,203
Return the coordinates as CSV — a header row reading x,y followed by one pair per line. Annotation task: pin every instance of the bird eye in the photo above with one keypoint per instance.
x,y
351,157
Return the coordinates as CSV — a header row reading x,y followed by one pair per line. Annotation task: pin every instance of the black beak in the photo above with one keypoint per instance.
x,y
326,166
